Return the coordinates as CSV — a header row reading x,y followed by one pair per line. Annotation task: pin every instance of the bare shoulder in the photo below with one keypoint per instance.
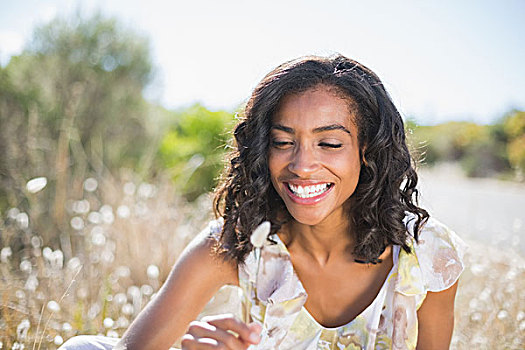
x,y
199,259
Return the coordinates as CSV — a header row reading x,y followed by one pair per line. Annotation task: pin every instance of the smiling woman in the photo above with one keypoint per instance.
x,y
314,158
350,260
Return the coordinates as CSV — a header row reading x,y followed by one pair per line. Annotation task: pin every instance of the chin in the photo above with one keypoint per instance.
x,y
305,219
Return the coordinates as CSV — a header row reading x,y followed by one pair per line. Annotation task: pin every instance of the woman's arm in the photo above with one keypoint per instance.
x,y
194,279
436,319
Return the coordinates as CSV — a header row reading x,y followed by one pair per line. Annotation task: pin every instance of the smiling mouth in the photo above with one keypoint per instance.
x,y
310,191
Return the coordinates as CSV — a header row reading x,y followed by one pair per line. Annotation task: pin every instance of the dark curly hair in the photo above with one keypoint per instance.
x,y
386,190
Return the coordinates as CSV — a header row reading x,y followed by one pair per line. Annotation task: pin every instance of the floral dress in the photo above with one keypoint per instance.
x,y
275,296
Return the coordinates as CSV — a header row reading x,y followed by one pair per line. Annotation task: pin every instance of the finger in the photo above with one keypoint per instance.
x,y
232,323
203,330
255,327
189,342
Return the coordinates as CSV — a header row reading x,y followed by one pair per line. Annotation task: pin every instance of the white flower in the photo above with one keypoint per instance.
x,y
53,306
260,234
5,254
108,322
36,184
90,184
22,328
153,272
58,340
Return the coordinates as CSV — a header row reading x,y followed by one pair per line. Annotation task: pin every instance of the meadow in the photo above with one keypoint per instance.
x,y
85,244
122,240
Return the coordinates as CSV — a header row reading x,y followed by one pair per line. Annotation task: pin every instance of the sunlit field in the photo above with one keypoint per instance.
x,y
123,239
101,183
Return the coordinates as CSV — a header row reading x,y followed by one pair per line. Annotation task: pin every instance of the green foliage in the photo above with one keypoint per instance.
x,y
71,105
193,149
480,149
514,128
445,142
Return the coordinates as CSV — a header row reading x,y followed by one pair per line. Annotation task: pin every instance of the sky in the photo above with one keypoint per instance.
x,y
440,60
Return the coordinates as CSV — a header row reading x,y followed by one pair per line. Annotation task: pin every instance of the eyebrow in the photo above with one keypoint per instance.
x,y
316,130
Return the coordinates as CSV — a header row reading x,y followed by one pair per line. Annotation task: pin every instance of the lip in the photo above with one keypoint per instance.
x,y
307,201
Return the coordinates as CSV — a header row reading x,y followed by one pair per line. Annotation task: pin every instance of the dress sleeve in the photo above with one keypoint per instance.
x,y
440,253
214,228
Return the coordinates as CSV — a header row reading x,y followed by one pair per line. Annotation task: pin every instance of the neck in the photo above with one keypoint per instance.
x,y
324,242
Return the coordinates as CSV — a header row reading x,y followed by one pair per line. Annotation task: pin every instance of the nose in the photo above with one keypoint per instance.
x,y
304,162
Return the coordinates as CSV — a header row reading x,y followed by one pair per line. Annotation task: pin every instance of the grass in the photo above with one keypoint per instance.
x,y
124,237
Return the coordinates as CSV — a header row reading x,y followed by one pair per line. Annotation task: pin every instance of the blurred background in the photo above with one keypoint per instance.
x,y
115,117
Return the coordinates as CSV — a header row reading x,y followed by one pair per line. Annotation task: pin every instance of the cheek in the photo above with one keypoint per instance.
x,y
348,169
276,163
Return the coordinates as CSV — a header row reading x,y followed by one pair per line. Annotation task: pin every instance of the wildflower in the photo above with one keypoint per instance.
x,y
129,188
73,263
146,190
133,292
37,184
47,253
503,314
259,235
58,259
94,217
108,322
22,329
146,289
17,346
120,298
13,213
127,309
520,316
22,219
58,340
90,184
81,207
36,242
123,211
66,327
25,266
98,238
5,254
122,322
77,223
53,306
31,283
107,214
153,272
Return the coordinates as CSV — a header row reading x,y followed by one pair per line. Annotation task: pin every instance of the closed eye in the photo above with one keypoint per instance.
x,y
330,145
282,144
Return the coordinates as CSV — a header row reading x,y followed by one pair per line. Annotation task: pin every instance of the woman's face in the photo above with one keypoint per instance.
x,y
314,155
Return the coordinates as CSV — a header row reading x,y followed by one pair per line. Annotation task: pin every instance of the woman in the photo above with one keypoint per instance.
x,y
351,261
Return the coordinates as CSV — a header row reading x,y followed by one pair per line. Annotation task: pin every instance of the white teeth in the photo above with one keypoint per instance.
x,y
308,191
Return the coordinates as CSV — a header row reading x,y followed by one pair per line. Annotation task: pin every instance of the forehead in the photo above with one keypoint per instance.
x,y
321,105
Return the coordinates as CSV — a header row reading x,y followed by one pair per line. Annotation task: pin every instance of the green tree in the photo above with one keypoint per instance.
x,y
70,105
194,148
514,128
480,149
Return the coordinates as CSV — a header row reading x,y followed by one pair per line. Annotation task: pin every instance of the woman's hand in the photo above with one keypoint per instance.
x,y
221,332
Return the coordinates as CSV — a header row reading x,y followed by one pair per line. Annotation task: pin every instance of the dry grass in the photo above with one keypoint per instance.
x,y
125,237
121,244
490,305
